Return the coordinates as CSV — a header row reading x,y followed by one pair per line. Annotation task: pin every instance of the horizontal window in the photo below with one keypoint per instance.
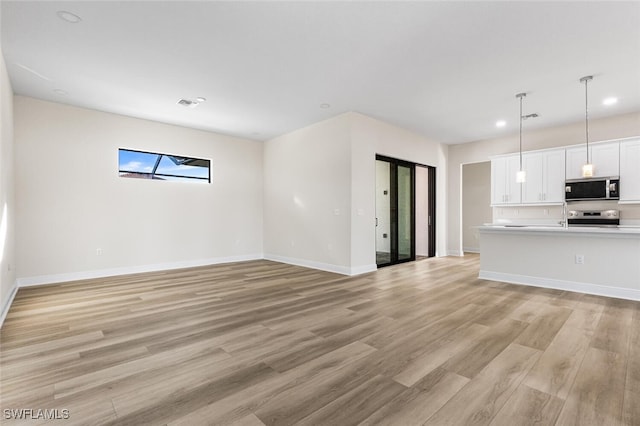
x,y
151,165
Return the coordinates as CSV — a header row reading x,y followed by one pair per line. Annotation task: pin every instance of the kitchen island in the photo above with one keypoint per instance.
x,y
602,261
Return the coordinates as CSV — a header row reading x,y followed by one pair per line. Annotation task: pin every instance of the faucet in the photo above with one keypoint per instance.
x,y
564,222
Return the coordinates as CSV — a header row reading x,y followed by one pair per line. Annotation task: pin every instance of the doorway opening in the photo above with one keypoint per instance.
x,y
476,204
405,211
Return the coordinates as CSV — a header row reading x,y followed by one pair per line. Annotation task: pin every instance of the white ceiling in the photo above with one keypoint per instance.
x,y
446,70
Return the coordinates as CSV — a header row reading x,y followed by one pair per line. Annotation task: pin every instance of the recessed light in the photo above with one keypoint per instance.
x,y
68,16
201,99
60,92
501,123
610,101
325,106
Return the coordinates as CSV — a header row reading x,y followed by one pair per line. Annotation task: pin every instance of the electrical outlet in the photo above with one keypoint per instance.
x,y
579,259
98,252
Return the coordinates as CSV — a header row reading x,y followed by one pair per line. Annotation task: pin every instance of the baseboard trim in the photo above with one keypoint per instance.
x,y
102,273
596,289
455,253
7,304
365,269
328,267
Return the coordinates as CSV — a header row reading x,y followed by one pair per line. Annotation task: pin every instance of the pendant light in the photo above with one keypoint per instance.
x,y
521,175
587,168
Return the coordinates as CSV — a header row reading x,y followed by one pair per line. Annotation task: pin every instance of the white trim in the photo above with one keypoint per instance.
x,y
343,270
599,290
364,269
454,253
84,275
7,305
471,249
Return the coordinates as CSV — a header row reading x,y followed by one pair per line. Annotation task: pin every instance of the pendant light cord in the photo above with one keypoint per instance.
x,y
586,111
522,96
586,116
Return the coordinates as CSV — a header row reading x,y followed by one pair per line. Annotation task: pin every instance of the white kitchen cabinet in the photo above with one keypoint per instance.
x,y
545,177
630,171
504,188
605,158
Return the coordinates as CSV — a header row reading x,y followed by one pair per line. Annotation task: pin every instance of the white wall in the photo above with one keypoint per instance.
x,y
71,200
370,137
306,196
422,211
313,216
621,126
7,179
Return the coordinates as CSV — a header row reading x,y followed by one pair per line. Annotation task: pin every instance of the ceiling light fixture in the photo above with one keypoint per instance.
x,y
72,18
187,103
325,106
200,99
501,123
587,168
60,92
610,101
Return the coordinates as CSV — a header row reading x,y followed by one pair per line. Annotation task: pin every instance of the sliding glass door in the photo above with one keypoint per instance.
x,y
395,218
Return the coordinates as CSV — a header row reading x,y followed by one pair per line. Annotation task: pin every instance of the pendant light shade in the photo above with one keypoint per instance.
x,y
587,168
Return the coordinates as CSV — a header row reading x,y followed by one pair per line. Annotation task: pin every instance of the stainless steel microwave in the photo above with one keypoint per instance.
x,y
592,189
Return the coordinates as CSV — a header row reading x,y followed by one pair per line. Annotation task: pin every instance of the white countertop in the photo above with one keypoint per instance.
x,y
630,231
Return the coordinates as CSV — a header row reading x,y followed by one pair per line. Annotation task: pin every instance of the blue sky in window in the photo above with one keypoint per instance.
x,y
169,167
143,162
132,161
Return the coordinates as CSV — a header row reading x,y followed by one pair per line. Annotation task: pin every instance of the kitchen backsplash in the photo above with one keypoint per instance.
x,y
552,215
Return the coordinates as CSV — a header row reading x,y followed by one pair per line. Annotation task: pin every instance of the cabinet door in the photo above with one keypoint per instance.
x,y
513,188
576,158
553,176
532,191
606,159
630,170
498,180
504,188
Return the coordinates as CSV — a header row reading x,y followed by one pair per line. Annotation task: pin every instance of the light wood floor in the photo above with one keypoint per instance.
x,y
264,343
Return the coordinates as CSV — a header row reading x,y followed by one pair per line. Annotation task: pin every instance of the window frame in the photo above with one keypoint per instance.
x,y
152,175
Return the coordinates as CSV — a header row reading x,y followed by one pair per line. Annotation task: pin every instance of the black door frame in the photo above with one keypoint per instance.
x,y
431,206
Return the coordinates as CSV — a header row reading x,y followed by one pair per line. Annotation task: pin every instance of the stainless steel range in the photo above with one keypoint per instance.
x,y
608,218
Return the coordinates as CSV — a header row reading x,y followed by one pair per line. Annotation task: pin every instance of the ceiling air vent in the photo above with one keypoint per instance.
x,y
188,103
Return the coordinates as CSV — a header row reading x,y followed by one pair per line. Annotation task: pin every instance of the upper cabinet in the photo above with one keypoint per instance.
x,y
605,158
504,188
630,171
547,170
545,177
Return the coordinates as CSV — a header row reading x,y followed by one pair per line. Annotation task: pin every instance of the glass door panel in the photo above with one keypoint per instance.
x,y
395,217
405,213
383,212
